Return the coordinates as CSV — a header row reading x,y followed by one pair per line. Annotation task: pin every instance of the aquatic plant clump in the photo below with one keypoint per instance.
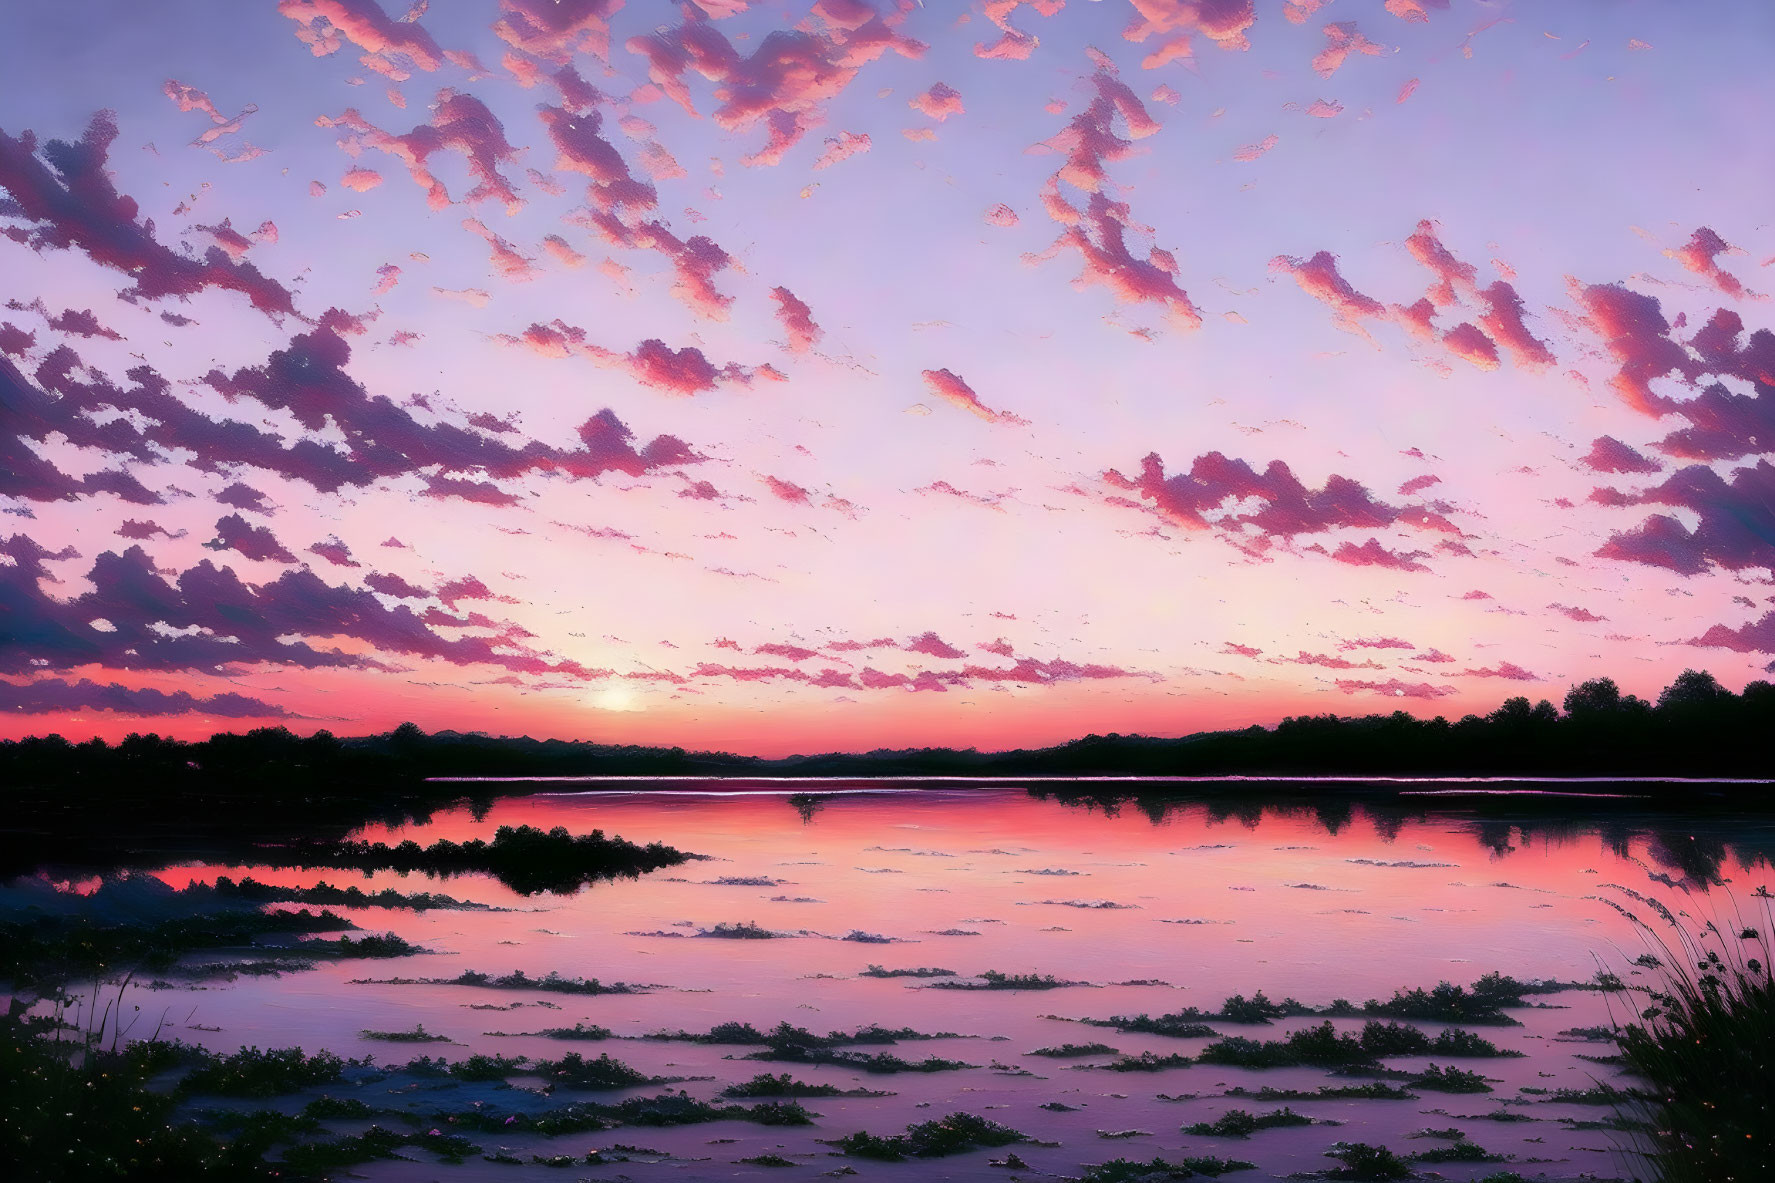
x,y
575,1071
550,983
993,979
524,858
272,1072
1121,1170
1238,1123
954,1134
876,971
1366,1163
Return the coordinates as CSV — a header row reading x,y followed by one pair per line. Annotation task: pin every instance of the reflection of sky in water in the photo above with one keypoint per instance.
x,y
1215,898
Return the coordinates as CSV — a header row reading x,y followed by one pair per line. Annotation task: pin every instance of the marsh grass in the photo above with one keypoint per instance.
x,y
1377,1091
992,979
1449,1080
1068,1051
1122,1170
587,1032
766,1085
417,1035
876,971
550,983
1362,1161
575,1071
1705,1043
1238,1123
954,1134
251,1072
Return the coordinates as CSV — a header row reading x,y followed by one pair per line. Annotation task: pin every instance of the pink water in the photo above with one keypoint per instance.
x,y
1273,901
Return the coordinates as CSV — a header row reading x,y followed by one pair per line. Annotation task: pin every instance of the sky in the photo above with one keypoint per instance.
x,y
782,377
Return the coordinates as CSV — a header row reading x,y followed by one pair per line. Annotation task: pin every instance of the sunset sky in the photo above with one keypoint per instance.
x,y
782,377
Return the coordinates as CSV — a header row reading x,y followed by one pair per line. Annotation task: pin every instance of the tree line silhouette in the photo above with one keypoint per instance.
x,y
1697,727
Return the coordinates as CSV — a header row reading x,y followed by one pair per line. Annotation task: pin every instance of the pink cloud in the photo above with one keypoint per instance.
x,y
1466,341
1001,215
76,206
931,645
797,318
1700,255
1232,649
1394,688
321,24
1581,615
255,542
460,123
1223,21
1735,528
1251,152
1342,40
1504,669
1373,554
53,696
939,102
1503,320
334,552
1450,272
1418,484
1376,643
788,491
841,148
1319,278
951,389
1758,636
1608,454
394,585
361,180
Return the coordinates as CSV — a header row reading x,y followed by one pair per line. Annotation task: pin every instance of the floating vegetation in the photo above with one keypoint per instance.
x,y
1145,1062
1324,1046
1238,1123
766,1085
1450,1080
589,1032
417,1035
575,1071
1092,905
1122,1170
371,945
746,930
524,858
876,971
1060,872
954,932
377,1142
1410,863
272,1072
1461,1151
1364,1162
767,1160
42,949
1067,1051
1588,1034
1259,1009
1377,1091
1184,1024
992,979
252,891
745,881
478,1067
868,938
955,1134
550,983
1448,1003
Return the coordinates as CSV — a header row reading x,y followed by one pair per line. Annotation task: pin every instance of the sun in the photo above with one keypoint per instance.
x,y
617,698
